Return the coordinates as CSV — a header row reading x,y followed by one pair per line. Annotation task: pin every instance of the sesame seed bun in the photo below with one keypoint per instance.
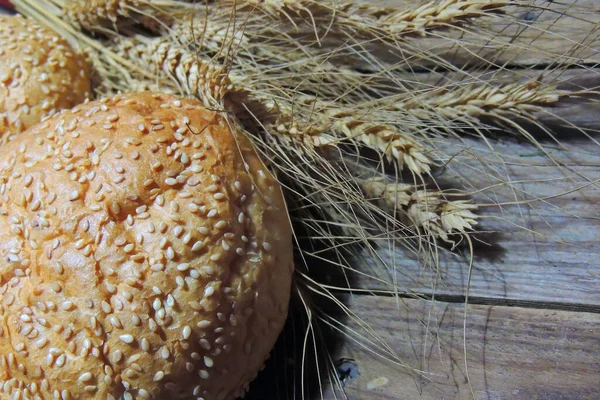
x,y
145,252
39,74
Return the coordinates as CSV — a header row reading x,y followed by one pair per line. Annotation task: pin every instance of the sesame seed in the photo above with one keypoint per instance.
x,y
170,300
186,332
114,320
164,352
203,324
220,225
197,246
60,361
158,376
205,344
177,231
197,390
183,267
86,376
127,338
158,267
136,320
170,253
208,269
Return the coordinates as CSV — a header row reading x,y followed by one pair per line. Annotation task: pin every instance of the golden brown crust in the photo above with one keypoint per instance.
x,y
39,74
145,251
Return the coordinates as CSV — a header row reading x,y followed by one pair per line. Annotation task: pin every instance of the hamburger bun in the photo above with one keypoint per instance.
x,y
39,74
145,252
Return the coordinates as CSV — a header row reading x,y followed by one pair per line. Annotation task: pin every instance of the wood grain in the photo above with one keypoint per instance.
x,y
513,353
545,251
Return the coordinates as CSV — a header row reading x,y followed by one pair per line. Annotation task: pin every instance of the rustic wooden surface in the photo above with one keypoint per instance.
x,y
512,353
533,320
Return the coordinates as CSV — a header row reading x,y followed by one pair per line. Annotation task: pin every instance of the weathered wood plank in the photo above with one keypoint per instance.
x,y
513,353
546,251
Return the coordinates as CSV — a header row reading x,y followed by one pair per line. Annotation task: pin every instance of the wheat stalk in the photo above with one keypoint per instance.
x,y
272,61
211,33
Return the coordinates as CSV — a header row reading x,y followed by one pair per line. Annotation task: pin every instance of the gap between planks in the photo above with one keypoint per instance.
x,y
492,301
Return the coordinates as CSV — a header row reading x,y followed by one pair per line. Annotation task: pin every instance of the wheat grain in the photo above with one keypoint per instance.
x,y
88,14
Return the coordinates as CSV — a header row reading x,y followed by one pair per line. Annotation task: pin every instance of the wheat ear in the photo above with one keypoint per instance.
x,y
475,101
92,14
195,76
424,209
434,15
103,15
402,149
